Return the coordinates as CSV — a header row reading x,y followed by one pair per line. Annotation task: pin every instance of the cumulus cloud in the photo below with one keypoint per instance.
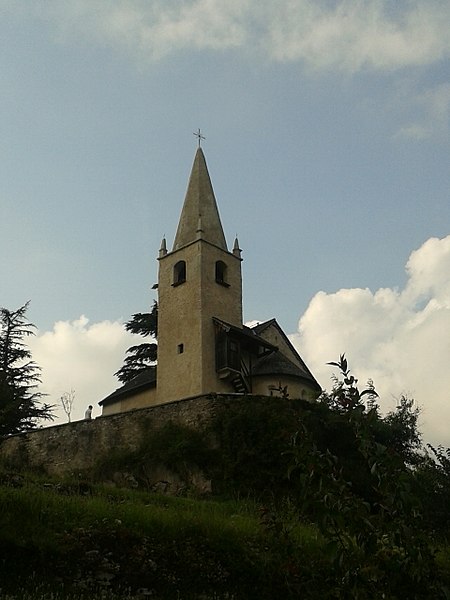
x,y
80,356
399,338
346,34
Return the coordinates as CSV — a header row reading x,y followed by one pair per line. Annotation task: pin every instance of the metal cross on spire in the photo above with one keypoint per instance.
x,y
200,137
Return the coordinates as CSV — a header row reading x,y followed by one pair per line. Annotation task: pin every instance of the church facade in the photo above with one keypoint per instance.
x,y
203,345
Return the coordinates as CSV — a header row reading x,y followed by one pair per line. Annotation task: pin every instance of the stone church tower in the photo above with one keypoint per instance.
x,y
199,279
203,345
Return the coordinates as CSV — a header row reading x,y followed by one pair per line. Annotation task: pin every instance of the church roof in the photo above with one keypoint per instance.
x,y
144,380
246,335
278,359
199,216
278,364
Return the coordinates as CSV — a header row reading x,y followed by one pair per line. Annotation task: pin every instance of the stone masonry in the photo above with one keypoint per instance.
x,y
77,447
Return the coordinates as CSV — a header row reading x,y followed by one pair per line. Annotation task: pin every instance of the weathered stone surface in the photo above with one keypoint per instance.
x,y
77,447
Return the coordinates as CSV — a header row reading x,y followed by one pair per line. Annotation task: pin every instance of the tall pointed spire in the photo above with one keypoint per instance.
x,y
199,207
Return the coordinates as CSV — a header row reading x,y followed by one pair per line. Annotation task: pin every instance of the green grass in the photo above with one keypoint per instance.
x,y
148,513
42,510
175,547
58,544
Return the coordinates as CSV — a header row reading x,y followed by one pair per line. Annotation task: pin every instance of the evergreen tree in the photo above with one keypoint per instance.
x,y
20,405
139,358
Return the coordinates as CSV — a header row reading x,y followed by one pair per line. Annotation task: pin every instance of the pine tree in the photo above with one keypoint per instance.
x,y
142,356
20,404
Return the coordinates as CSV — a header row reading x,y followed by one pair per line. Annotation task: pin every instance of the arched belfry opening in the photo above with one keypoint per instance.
x,y
179,272
221,273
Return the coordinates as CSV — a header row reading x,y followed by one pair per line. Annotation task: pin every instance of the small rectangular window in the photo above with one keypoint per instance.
x,y
180,348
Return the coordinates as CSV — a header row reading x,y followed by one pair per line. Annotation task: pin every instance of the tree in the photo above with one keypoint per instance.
x,y
359,490
20,405
398,430
403,433
433,481
67,400
345,395
140,357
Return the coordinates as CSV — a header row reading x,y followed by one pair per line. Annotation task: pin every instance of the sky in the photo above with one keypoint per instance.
x,y
327,142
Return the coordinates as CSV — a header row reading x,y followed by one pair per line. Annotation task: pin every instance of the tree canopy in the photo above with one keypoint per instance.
x,y
20,403
142,356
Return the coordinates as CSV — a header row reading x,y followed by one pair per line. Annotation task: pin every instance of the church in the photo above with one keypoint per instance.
x,y
203,346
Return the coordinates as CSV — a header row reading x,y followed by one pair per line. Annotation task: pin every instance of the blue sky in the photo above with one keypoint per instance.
x,y
327,141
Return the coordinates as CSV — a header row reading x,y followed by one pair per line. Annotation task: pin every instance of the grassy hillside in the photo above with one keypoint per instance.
x,y
86,539
331,501
72,540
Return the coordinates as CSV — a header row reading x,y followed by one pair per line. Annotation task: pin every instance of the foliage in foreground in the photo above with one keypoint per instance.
x,y
112,543
433,486
375,536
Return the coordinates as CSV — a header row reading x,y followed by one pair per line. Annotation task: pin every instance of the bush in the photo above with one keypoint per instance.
x,y
376,540
253,438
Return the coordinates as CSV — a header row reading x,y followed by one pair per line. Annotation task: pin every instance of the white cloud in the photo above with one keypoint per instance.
x,y
151,30
348,34
355,34
83,357
400,339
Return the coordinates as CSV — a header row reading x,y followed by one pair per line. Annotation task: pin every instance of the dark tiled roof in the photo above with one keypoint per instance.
x,y
278,364
144,380
278,361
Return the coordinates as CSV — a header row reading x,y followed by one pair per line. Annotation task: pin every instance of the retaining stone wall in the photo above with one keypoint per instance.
x,y
78,446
